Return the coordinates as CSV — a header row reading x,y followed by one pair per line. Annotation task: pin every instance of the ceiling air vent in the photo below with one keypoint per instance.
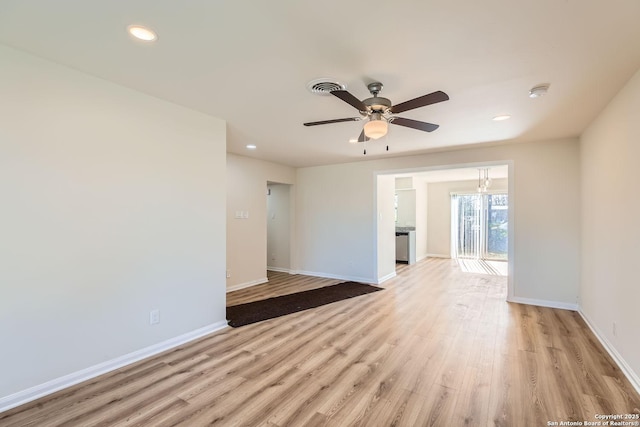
x,y
324,86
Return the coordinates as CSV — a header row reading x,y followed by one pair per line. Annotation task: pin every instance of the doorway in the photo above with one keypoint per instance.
x,y
441,183
278,227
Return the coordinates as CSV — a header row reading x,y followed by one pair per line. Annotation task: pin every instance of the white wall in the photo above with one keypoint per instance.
x,y
386,227
335,221
247,237
421,218
610,150
112,205
278,227
439,212
336,231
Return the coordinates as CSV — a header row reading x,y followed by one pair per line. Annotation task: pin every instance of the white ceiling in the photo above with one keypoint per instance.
x,y
248,63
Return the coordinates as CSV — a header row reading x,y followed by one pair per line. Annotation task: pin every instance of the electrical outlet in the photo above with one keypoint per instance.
x,y
228,273
154,317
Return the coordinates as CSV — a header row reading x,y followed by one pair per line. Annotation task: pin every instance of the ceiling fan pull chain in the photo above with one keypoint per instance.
x,y
387,138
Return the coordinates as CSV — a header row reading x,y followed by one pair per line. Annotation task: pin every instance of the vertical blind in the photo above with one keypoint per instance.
x,y
479,225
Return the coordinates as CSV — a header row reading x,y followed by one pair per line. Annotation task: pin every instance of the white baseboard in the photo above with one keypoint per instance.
x,y
279,269
544,303
247,284
438,256
336,276
77,377
631,375
385,278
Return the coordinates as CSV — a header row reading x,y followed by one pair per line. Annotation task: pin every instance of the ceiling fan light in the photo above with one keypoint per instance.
x,y
376,129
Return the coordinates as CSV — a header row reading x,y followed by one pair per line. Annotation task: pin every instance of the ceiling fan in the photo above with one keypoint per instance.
x,y
379,112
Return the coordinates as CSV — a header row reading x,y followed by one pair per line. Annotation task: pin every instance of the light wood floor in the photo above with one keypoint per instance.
x,y
437,347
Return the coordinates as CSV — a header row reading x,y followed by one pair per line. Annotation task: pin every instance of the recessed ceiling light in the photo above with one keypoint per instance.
x,y
353,140
142,33
538,91
251,146
501,117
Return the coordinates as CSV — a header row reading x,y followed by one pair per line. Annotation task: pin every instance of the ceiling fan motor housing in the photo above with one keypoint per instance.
x,y
377,104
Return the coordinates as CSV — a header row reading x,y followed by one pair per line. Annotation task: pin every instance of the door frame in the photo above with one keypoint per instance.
x,y
511,253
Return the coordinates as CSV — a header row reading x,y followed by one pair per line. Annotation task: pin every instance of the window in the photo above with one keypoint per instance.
x,y
479,226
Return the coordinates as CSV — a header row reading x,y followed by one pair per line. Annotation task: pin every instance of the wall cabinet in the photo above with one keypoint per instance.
x,y
406,208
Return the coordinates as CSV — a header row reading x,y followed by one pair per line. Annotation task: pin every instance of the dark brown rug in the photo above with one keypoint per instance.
x,y
257,311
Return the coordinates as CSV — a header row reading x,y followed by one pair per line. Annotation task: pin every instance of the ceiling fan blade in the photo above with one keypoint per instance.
x,y
326,122
421,101
349,99
362,137
415,124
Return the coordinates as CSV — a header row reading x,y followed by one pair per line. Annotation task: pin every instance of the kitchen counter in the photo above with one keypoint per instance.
x,y
404,230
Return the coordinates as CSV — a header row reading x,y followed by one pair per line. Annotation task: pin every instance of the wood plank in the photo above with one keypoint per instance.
x,y
436,347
